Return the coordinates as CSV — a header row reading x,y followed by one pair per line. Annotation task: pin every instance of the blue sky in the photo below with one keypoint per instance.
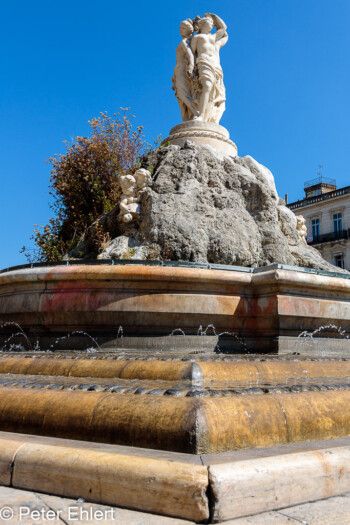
x,y
286,71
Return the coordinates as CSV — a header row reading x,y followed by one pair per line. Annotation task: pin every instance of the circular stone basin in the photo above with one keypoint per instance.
x,y
267,307
144,300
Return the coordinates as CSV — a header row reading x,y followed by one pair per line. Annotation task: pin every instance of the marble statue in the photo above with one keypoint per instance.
x,y
132,187
198,77
183,71
143,179
128,184
301,227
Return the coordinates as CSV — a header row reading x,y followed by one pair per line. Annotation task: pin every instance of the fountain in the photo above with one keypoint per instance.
x,y
127,399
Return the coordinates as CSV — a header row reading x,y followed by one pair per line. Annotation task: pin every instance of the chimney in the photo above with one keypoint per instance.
x,y
286,197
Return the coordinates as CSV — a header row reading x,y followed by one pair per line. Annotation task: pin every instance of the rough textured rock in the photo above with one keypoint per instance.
x,y
205,206
125,247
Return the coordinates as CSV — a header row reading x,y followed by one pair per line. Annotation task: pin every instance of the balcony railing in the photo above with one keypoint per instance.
x,y
329,237
319,180
319,198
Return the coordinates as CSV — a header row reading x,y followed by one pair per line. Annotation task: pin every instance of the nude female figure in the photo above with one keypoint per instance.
x,y
206,47
183,70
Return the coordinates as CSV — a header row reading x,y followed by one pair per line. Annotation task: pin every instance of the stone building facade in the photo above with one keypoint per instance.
x,y
326,210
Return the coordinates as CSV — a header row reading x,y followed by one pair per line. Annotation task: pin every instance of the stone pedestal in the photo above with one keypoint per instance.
x,y
202,133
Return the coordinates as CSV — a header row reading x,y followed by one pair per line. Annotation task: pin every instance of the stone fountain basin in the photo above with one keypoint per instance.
x,y
266,307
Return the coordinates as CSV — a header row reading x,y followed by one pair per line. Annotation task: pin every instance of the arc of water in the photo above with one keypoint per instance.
x,y
310,335
178,330
20,332
236,336
79,332
322,328
213,328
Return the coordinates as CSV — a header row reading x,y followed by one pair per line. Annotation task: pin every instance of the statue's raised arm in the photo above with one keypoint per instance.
x,y
220,27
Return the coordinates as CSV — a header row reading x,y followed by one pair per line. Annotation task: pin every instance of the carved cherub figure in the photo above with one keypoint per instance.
x,y
132,188
128,185
143,179
301,227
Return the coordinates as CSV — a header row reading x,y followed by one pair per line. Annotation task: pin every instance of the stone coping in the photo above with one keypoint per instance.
x,y
177,275
172,484
175,264
196,425
196,378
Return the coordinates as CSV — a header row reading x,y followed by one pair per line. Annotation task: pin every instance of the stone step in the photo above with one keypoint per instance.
x,y
191,424
137,366
216,487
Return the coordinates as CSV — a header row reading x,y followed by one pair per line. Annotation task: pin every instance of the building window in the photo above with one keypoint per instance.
x,y
315,224
337,222
339,260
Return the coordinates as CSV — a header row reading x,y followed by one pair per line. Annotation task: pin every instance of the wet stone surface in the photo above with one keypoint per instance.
x,y
185,388
129,355
291,378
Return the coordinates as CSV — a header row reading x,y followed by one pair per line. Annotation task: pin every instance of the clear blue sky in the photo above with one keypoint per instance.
x,y
286,71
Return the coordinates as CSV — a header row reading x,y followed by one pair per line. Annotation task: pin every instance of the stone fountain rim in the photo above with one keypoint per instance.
x,y
175,264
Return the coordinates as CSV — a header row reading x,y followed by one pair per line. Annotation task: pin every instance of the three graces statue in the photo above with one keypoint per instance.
x,y
198,78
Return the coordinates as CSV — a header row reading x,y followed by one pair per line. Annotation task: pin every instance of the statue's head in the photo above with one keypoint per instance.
x,y
205,24
127,183
143,178
186,28
300,221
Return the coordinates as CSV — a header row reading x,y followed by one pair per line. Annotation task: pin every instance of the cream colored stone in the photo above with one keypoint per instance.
x,y
202,133
264,172
182,73
132,188
8,449
198,76
253,486
301,227
128,184
164,487
241,487
143,179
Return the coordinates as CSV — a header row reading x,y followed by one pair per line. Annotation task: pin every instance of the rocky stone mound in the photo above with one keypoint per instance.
x,y
204,206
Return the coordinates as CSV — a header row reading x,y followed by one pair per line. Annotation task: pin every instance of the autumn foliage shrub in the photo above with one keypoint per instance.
x,y
84,182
